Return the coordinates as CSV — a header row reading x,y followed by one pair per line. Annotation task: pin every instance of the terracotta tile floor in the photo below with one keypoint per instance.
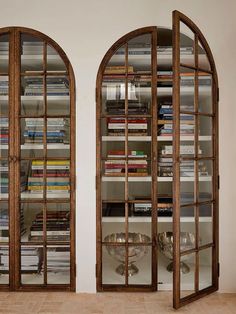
x,y
111,303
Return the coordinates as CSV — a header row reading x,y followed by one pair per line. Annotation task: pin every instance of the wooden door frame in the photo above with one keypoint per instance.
x,y
177,302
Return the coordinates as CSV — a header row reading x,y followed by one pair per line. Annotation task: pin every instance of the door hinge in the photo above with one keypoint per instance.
x,y
96,270
218,269
218,94
218,182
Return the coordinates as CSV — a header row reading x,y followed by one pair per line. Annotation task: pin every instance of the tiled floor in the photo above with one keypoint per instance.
x,y
111,303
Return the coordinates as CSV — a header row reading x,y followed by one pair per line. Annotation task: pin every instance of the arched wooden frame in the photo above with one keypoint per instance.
x,y
179,18
14,105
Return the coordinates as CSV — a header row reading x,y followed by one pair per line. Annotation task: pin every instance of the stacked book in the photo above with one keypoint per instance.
x,y
57,130
56,86
4,224
165,121
36,48
4,180
4,259
4,48
58,226
136,126
58,260
4,131
115,165
164,207
117,107
31,259
57,176
4,85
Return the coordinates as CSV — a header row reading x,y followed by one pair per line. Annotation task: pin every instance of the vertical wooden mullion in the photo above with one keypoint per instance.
x,y
126,169
196,166
154,159
176,158
11,186
17,155
45,162
72,180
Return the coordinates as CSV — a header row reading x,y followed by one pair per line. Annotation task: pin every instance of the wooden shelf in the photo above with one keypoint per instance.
x,y
202,138
49,146
149,179
29,195
142,219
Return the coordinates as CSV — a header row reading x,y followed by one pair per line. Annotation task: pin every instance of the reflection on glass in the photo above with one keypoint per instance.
x,y
205,268
205,224
57,85
31,265
113,190
31,221
54,61
32,53
31,105
58,222
139,54
58,131
203,61
113,212
4,179
4,53
113,94
187,126
116,64
4,265
58,265
187,281
58,104
25,171
4,222
111,259
186,192
140,265
32,86
205,93
205,126
139,190
186,45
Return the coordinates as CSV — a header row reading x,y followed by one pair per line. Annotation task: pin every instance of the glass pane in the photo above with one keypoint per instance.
x,y
165,117
54,61
113,150
205,268
205,147
186,89
139,54
186,45
205,180
32,86
32,134
187,126
205,224
4,179
113,262
4,53
58,105
187,169
187,229
139,232
113,219
203,61
4,265
140,265
58,132
139,188
57,86
165,160
58,222
31,265
187,275
205,126
4,222
58,178
58,265
4,137
139,95
116,64
139,158
27,188
31,222
32,53
205,93
112,189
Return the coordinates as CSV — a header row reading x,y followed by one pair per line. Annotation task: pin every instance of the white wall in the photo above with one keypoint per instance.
x,y
86,30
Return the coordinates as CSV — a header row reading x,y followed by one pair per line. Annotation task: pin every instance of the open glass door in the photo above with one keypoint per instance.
x,y
195,98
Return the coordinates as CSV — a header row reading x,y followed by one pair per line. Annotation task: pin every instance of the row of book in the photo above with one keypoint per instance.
x,y
58,260
4,85
4,179
4,131
57,130
116,165
117,107
146,50
57,226
165,162
165,120
57,176
136,126
55,86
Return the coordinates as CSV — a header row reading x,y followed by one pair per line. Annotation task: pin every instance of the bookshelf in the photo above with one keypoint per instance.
x,y
37,163
157,162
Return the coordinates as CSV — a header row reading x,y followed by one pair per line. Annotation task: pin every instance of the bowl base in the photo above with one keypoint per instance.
x,y
184,268
132,270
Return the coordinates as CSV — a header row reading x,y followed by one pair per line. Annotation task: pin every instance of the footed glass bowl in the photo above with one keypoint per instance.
x,y
187,242
135,253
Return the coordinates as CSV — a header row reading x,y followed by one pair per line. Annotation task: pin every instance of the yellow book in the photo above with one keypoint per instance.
x,y
51,162
40,187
